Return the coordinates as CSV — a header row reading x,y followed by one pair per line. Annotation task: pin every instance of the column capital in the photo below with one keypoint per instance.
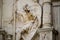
x,y
44,1
47,0
47,3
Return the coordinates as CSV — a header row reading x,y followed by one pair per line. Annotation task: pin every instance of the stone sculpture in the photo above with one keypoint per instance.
x,y
28,19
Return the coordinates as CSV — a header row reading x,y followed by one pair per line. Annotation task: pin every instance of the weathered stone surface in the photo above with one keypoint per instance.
x,y
0,13
7,15
46,12
47,15
28,19
45,33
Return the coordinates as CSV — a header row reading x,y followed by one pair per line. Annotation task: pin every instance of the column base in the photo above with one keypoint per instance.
x,y
45,33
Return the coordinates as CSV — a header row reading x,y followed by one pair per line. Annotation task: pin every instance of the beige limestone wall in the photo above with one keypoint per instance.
x,y
8,14
46,15
0,13
56,18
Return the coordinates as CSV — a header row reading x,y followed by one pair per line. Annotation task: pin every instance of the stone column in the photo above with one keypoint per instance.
x,y
46,33
46,13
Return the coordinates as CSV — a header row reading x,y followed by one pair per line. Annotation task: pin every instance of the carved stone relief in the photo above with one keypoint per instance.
x,y
28,19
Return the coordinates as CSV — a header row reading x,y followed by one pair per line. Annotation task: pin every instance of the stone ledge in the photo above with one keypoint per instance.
x,y
44,29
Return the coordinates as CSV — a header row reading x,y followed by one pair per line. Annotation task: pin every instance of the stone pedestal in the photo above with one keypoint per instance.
x,y
45,33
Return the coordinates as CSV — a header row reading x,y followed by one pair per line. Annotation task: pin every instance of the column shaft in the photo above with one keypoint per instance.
x,y
46,13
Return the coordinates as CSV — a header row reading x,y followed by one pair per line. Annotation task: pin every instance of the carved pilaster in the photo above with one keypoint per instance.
x,y
47,13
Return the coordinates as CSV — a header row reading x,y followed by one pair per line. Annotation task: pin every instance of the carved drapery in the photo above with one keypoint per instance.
x,y
27,19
